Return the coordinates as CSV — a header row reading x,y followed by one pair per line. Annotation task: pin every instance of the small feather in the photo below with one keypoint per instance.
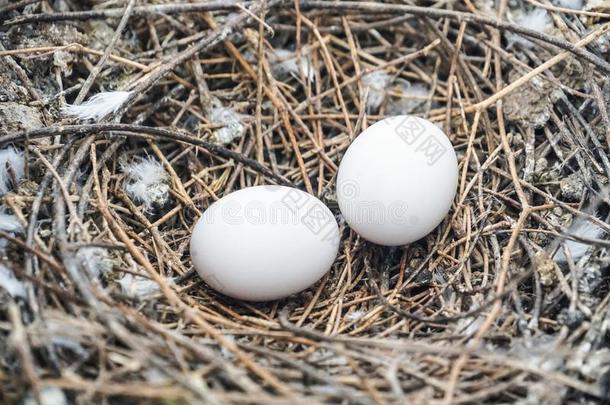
x,y
232,124
355,315
539,352
9,224
226,353
98,106
375,83
11,284
536,20
571,4
580,228
284,62
147,182
139,287
12,169
48,396
95,260
405,97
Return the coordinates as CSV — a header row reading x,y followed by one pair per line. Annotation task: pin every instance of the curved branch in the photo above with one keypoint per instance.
x,y
139,131
141,11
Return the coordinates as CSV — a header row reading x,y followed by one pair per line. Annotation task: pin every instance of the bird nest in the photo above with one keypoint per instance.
x,y
122,121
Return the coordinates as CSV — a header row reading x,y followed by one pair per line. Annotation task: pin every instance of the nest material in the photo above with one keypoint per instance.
x,y
483,309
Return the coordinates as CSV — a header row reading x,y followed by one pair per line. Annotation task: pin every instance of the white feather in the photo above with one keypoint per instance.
x,y
232,124
470,325
539,352
147,182
11,284
536,20
139,287
375,83
155,376
583,229
12,169
95,260
284,62
48,396
596,5
571,4
405,97
98,106
226,353
355,315
9,224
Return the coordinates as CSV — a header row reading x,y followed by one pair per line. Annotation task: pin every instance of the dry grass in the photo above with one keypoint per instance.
x,y
478,311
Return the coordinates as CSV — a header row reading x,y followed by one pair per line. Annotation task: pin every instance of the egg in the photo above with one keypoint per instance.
x,y
264,243
397,180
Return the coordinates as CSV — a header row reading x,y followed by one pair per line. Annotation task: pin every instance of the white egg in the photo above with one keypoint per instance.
x,y
397,180
264,243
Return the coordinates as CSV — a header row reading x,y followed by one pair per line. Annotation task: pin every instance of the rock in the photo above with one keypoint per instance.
x,y
18,117
572,187
10,89
530,104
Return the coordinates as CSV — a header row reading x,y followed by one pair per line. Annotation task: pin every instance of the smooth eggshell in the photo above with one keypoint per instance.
x,y
264,243
397,180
